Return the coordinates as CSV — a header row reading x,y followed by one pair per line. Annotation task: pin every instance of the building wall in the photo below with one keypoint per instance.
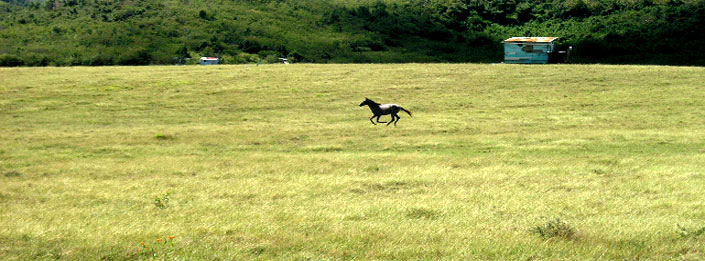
x,y
527,52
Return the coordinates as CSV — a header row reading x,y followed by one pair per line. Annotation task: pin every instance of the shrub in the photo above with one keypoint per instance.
x,y
10,60
685,232
556,228
294,57
36,60
271,59
135,57
161,202
99,59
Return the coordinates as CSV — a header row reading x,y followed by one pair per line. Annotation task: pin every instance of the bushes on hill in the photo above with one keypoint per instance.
x,y
99,32
10,60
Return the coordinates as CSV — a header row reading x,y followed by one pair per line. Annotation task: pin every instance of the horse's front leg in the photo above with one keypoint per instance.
x,y
373,116
380,121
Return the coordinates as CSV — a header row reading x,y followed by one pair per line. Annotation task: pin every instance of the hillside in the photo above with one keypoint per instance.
x,y
138,32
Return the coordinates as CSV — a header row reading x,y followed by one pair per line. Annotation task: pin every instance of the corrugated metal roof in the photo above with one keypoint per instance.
x,y
531,39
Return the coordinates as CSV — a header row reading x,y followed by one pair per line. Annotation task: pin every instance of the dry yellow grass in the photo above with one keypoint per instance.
x,y
279,162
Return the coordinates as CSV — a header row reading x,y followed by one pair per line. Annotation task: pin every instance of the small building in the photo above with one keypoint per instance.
x,y
529,49
209,60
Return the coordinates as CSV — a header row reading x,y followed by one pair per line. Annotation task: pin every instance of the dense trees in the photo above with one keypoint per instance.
x,y
136,32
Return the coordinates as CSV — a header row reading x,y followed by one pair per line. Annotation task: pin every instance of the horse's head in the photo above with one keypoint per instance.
x,y
365,102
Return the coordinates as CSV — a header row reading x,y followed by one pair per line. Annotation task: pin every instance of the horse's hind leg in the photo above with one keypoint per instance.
x,y
380,121
393,117
398,117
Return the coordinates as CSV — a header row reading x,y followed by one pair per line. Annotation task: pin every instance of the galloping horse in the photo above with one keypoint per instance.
x,y
384,109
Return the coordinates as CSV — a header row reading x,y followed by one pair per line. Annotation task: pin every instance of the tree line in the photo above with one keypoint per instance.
x,y
142,32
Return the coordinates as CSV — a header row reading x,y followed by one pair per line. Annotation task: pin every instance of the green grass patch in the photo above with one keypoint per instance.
x,y
555,228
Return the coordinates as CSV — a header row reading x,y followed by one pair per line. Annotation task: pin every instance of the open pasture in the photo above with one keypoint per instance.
x,y
279,162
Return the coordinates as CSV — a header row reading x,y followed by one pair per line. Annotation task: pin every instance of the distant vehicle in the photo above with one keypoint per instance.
x,y
539,50
209,60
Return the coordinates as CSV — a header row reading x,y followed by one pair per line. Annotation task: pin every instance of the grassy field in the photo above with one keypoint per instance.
x,y
279,162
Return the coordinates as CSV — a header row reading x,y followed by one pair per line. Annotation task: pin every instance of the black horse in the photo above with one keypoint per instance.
x,y
384,109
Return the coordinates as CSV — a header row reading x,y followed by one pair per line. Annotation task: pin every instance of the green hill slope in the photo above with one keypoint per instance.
x,y
131,32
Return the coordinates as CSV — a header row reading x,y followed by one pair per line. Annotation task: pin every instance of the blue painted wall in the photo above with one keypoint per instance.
x,y
527,52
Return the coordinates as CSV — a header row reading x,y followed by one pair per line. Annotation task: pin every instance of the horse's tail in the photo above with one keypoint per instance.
x,y
408,112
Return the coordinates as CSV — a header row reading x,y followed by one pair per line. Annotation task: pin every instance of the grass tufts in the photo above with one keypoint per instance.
x,y
162,201
258,250
12,174
421,213
162,136
325,148
690,233
372,169
555,228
